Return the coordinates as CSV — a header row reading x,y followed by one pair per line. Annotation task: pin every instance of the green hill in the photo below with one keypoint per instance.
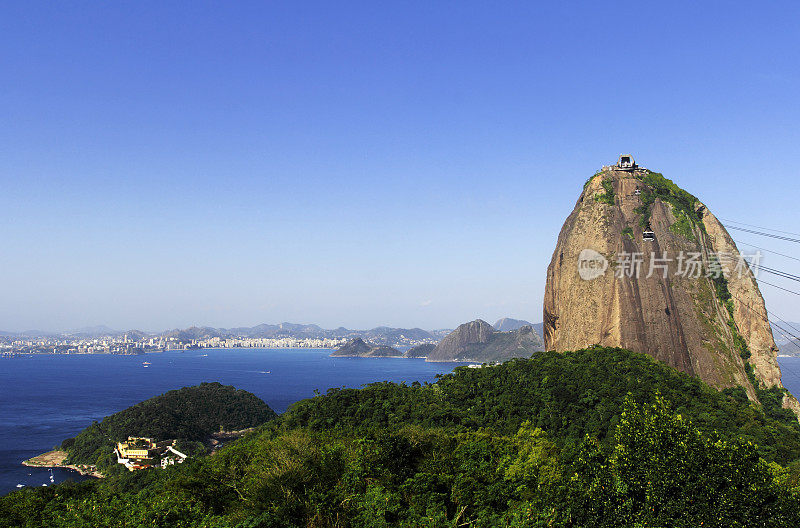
x,y
594,438
569,395
188,414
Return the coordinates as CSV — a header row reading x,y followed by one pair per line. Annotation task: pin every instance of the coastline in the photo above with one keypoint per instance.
x,y
55,459
369,357
21,354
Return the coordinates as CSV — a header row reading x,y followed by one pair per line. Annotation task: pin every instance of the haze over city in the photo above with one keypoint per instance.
x,y
164,167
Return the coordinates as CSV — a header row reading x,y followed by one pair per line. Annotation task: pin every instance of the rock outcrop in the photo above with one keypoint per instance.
x,y
507,324
711,325
420,351
357,347
479,342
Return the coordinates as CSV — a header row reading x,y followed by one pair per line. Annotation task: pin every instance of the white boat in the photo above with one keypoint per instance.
x,y
20,485
52,478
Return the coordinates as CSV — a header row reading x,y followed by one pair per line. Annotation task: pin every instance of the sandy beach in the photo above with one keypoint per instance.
x,y
55,459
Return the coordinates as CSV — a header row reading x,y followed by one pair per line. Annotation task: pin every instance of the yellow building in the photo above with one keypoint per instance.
x,y
139,453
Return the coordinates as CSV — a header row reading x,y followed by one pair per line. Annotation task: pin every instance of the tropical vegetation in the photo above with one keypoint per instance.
x,y
189,415
599,437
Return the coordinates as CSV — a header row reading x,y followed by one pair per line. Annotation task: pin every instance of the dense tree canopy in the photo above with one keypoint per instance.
x,y
569,395
188,414
594,438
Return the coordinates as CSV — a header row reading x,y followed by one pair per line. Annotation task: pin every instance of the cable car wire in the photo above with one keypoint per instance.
x,y
767,319
795,340
795,240
759,227
779,273
790,325
767,250
787,334
776,286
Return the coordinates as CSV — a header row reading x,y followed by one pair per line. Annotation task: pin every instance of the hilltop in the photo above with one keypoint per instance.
x,y
479,342
359,348
507,324
190,415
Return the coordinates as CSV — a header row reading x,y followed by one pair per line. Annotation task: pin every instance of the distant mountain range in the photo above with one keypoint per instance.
x,y
379,336
507,324
382,335
476,341
781,337
788,345
790,348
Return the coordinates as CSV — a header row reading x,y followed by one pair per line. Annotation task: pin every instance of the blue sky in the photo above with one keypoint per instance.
x,y
165,164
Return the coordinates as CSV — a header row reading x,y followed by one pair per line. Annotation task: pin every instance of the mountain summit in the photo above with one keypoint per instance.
x,y
644,265
478,341
507,324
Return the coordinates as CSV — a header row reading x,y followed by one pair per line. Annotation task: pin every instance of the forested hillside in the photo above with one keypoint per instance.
x,y
189,414
593,438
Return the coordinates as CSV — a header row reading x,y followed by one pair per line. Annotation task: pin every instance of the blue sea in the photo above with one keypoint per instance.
x,y
45,399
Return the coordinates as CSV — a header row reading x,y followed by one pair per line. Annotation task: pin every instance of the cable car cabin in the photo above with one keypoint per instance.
x,y
637,192
626,162
648,236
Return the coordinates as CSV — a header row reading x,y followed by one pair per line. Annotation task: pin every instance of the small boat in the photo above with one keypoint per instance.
x,y
52,478
146,363
20,485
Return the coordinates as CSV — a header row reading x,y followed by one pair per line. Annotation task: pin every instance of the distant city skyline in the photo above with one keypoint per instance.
x,y
360,165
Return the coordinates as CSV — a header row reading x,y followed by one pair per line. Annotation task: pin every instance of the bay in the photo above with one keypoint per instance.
x,y
47,398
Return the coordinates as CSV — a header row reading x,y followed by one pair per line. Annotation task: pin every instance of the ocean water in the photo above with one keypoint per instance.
x,y
45,399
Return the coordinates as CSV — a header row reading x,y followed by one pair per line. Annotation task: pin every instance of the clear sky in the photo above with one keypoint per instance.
x,y
164,164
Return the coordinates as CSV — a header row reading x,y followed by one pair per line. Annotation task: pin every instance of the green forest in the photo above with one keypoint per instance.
x,y
188,415
599,437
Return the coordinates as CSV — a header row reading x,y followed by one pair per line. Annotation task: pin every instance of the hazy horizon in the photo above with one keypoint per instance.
x,y
158,331
404,165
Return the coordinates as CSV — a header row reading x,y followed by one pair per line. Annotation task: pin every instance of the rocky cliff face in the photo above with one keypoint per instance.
x,y
478,341
711,327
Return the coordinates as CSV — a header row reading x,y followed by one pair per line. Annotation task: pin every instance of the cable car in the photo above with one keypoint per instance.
x,y
648,236
637,192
